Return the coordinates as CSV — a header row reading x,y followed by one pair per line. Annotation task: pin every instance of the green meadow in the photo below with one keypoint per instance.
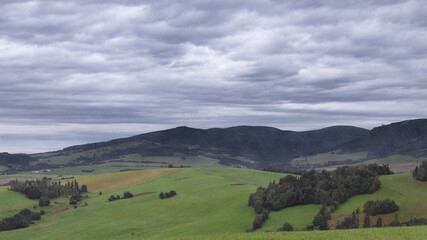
x,y
211,204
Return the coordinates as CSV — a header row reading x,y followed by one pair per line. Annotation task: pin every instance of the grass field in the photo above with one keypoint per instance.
x,y
326,157
299,216
3,168
413,233
410,195
209,202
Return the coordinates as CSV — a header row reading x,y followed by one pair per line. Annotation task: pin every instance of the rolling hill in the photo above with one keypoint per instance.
x,y
402,145
244,146
211,204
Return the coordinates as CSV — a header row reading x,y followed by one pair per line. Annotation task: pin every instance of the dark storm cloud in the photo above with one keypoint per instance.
x,y
92,69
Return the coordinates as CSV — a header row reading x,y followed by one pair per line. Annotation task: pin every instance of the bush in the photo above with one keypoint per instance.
x,y
169,194
44,201
84,189
127,195
20,220
380,207
287,227
35,216
259,220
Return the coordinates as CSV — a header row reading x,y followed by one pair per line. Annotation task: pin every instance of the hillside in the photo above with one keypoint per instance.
x,y
402,145
401,138
244,146
210,203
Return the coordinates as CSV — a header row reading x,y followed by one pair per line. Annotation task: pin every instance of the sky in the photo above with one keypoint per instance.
x,y
79,71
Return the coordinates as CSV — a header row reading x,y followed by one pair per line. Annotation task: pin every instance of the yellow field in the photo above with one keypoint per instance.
x,y
113,181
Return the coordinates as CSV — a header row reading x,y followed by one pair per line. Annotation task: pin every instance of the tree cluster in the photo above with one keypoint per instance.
x,y
349,222
51,189
287,227
420,173
324,187
385,206
320,221
117,197
169,194
74,199
20,220
259,220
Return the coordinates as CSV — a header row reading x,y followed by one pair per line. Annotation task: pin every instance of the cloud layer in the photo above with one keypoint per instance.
x,y
77,71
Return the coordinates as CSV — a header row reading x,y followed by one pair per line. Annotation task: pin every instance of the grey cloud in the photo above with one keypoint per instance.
x,y
289,64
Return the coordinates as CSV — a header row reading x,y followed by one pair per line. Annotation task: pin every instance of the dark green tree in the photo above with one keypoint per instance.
x,y
44,201
379,222
367,221
321,219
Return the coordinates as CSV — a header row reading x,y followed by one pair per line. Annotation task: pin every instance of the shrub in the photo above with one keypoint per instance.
x,y
35,216
380,207
84,188
287,227
44,201
169,194
259,220
127,195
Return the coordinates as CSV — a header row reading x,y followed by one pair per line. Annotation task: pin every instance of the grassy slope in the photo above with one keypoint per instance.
x,y
298,216
354,234
12,202
208,203
111,181
409,194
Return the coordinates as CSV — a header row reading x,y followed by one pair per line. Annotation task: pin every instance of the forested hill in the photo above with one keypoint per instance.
x,y
254,147
401,138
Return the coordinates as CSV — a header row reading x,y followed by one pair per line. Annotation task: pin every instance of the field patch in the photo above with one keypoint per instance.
x,y
413,233
113,181
299,216
410,195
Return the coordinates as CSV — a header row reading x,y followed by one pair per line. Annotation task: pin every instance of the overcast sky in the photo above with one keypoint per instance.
x,y
79,71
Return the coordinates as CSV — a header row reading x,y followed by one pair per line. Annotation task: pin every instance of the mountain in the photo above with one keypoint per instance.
x,y
11,163
402,145
252,147
401,138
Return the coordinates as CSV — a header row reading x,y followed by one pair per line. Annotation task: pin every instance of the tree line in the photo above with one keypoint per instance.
x,y
169,194
125,195
329,188
20,220
44,190
420,173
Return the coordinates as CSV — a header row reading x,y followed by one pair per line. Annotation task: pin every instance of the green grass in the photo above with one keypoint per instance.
x,y
413,233
11,202
246,176
326,157
208,203
3,168
410,195
299,216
